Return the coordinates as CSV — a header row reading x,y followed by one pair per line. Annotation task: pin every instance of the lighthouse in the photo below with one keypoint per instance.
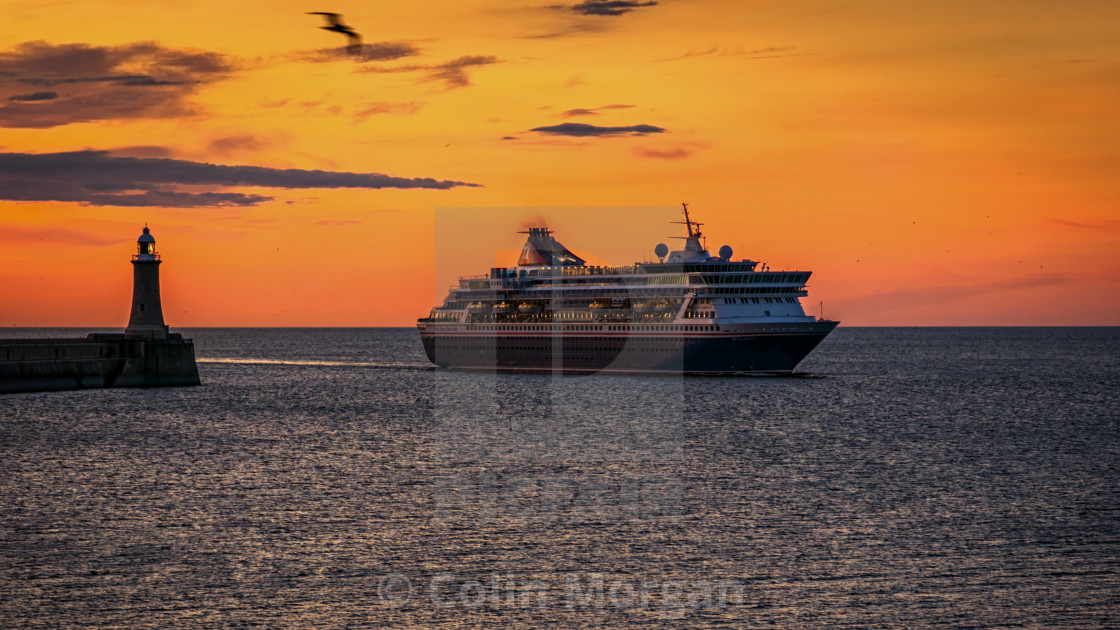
x,y
144,355
146,319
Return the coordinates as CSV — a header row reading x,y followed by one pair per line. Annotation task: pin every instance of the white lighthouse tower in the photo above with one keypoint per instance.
x,y
146,319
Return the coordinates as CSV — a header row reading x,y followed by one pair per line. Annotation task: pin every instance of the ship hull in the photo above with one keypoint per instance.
x,y
736,349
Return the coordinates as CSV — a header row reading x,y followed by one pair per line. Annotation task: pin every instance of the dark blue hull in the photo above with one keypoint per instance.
x,y
771,348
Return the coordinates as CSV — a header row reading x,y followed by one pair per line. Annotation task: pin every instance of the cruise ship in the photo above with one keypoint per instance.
x,y
690,312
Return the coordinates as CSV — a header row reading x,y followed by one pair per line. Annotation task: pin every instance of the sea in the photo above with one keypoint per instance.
x,y
332,478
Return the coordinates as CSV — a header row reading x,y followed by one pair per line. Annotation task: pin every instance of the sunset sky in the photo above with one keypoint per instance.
x,y
937,163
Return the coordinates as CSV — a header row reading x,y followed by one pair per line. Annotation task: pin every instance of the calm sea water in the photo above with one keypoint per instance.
x,y
959,478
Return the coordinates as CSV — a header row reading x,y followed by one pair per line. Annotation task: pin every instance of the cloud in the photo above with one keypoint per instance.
x,y
583,130
36,96
1108,225
571,113
235,144
611,8
398,109
770,52
379,51
584,18
577,28
676,153
453,73
99,179
138,80
336,223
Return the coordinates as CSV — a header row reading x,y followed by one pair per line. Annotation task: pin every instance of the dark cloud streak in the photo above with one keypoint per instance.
x,y
122,79
378,51
37,96
609,8
100,179
580,130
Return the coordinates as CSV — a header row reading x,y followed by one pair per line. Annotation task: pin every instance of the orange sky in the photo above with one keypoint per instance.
x,y
949,163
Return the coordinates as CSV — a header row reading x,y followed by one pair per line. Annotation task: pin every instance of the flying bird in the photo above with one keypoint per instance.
x,y
336,25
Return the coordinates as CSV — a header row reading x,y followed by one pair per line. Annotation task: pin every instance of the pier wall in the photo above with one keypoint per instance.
x,y
100,360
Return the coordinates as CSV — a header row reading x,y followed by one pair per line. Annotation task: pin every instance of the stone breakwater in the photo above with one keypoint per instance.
x,y
99,360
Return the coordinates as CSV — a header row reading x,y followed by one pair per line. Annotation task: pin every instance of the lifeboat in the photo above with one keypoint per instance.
x,y
528,308
504,308
478,307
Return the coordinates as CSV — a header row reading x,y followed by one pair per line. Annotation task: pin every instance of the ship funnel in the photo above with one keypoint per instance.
x,y
542,250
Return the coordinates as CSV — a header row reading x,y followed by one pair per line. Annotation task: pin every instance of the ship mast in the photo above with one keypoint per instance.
x,y
689,223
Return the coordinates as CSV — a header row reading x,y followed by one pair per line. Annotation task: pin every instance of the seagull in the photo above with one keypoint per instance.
x,y
337,26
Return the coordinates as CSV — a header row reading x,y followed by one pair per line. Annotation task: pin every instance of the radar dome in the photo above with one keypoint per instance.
x,y
725,252
661,251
